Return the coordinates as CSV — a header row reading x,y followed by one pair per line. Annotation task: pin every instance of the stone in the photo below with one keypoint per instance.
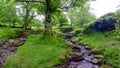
x,y
88,58
94,60
105,22
87,65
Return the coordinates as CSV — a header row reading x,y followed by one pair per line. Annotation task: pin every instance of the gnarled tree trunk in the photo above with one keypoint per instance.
x,y
48,26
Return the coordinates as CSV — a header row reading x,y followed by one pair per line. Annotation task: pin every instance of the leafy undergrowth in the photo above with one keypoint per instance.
x,y
38,53
106,43
6,33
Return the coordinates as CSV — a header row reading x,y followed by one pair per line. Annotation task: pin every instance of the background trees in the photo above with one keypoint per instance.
x,y
52,6
8,16
23,13
81,16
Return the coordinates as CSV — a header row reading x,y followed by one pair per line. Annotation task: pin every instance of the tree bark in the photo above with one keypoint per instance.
x,y
48,26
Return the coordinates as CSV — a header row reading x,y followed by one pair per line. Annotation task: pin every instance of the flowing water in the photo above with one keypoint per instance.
x,y
82,56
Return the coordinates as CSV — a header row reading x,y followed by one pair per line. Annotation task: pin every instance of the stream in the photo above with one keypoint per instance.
x,y
82,56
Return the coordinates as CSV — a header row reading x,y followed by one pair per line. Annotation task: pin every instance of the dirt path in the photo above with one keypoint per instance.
x,y
8,47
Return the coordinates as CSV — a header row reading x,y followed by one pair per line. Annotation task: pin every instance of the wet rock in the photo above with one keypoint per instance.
x,y
87,57
72,65
76,56
85,64
94,60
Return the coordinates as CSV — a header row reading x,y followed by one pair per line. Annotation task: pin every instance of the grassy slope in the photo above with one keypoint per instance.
x,y
37,53
107,43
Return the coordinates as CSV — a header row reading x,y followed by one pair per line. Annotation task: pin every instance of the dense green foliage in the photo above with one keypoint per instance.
x,y
81,17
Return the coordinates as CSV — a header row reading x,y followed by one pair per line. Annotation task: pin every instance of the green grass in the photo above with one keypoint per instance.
x,y
106,43
38,53
6,33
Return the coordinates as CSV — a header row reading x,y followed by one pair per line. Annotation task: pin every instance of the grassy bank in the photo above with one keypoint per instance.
x,y
106,43
38,53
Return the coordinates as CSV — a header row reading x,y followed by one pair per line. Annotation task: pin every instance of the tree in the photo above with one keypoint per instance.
x,y
8,13
26,13
51,6
59,19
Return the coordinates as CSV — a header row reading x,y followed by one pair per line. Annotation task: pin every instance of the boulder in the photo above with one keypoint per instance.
x,y
105,23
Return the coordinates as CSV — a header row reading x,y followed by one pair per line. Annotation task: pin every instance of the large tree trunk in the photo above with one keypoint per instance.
x,y
48,26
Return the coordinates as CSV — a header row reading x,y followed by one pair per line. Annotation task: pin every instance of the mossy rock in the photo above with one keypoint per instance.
x,y
63,57
105,66
101,60
76,39
99,56
16,42
96,51
79,55
70,45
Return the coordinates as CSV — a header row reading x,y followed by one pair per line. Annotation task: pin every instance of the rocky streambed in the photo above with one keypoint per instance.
x,y
8,47
83,56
